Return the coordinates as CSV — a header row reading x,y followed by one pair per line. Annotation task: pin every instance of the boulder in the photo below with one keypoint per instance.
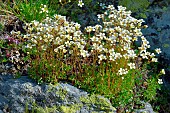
x,y
24,94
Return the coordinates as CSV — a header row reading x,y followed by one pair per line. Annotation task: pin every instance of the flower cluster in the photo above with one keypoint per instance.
x,y
10,49
58,35
112,42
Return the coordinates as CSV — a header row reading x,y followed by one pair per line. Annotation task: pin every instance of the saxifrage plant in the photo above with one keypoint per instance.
x,y
102,59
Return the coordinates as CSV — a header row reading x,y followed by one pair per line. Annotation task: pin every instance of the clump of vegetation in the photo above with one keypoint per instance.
x,y
103,59
28,10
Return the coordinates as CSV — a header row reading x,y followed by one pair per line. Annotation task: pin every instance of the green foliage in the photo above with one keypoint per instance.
x,y
11,52
70,8
52,59
136,6
161,103
1,27
29,11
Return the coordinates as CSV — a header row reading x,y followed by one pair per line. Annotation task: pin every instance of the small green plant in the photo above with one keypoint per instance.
x,y
161,103
136,6
1,27
11,52
29,11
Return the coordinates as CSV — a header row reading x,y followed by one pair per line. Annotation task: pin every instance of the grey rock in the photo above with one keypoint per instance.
x,y
151,1
15,94
3,101
158,31
148,108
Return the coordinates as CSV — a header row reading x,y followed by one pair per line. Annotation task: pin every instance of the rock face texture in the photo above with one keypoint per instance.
x,y
23,95
17,95
158,31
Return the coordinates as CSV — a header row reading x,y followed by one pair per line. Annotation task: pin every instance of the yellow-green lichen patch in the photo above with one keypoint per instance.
x,y
165,45
38,109
71,108
62,92
46,109
100,102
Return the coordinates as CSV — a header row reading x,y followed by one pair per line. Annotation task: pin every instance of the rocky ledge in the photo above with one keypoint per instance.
x,y
24,95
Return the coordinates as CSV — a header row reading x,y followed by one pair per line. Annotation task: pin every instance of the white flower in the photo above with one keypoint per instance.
x,y
162,71
118,55
160,81
94,38
64,50
101,57
89,28
120,8
154,60
84,53
122,71
131,53
112,58
77,26
152,55
112,51
142,48
144,56
100,48
131,65
28,46
126,56
80,3
111,7
128,38
158,50
56,50
100,16
35,23
145,42
135,39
